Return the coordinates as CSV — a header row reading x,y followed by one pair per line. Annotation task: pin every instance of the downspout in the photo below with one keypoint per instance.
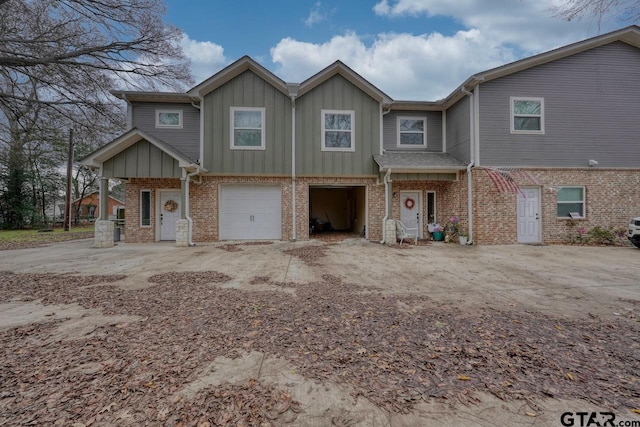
x,y
387,176
293,93
186,204
471,162
387,181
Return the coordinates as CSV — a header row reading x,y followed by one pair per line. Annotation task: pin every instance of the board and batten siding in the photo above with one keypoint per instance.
x,y
185,140
336,93
247,90
141,160
434,130
458,127
591,111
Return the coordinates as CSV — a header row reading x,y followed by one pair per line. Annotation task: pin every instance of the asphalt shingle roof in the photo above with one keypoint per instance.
x,y
427,161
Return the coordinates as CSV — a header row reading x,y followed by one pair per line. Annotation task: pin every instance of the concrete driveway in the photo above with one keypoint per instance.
x,y
562,282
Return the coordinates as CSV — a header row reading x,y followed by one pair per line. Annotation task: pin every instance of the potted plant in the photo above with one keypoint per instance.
x,y
437,232
463,237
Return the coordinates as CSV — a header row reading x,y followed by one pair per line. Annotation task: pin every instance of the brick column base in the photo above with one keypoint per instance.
x,y
103,234
390,232
182,232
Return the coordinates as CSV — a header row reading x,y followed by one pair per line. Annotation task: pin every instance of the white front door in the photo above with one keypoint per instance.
x,y
411,210
529,215
170,212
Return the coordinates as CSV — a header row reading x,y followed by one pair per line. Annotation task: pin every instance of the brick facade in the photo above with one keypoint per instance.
x,y
204,199
612,197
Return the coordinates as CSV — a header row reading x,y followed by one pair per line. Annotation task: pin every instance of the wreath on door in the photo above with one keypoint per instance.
x,y
170,206
409,203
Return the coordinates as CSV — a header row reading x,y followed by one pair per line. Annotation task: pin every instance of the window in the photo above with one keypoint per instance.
x,y
527,115
169,119
571,202
247,128
145,208
412,132
337,130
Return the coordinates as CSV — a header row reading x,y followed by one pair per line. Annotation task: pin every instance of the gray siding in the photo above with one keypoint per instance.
x,y
185,140
247,90
458,140
592,111
141,160
336,93
434,130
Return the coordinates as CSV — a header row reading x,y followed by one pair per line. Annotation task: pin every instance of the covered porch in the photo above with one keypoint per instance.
x,y
136,156
422,189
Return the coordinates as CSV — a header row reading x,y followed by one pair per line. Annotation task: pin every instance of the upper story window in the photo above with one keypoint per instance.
x,y
338,130
247,128
571,202
527,115
169,119
412,131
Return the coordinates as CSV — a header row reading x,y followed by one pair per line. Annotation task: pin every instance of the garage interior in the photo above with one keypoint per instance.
x,y
337,209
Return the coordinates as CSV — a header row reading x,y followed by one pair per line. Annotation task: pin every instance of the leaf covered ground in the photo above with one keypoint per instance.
x,y
393,350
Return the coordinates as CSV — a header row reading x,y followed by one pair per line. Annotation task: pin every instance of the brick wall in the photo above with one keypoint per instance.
x,y
132,230
612,197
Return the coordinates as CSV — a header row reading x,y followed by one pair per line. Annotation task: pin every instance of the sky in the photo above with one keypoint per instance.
x,y
409,49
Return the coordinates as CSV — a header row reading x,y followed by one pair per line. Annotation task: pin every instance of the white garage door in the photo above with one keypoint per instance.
x,y
250,212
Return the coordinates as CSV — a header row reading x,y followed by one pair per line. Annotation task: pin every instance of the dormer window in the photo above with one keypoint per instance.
x,y
171,119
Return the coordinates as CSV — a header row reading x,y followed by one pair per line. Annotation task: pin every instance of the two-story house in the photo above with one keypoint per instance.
x,y
244,155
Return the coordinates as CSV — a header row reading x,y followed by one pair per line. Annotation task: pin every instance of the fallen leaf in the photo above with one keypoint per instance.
x,y
636,411
463,378
570,376
530,414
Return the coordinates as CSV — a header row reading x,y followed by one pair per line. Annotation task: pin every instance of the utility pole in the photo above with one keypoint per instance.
x,y
67,205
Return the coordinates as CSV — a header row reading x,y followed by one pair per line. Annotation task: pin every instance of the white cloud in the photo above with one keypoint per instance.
x,y
528,25
315,15
405,66
207,58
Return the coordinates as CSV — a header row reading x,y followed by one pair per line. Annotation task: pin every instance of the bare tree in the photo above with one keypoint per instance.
x,y
623,10
58,60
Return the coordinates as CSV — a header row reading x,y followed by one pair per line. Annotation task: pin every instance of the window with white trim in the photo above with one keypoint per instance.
x,y
527,115
171,119
412,131
145,208
247,128
571,202
338,130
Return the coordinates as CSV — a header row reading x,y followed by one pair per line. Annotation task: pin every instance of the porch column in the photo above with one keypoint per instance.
x,y
103,233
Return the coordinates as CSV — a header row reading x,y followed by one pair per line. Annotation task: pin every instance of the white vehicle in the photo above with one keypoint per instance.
x,y
634,231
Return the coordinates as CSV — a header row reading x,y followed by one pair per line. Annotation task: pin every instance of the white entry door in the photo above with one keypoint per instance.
x,y
411,210
170,212
529,215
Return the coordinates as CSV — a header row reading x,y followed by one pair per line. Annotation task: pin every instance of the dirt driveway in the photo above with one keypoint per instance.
x,y
310,333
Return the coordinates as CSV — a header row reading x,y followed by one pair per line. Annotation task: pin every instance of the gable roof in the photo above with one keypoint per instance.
x,y
340,68
235,69
126,140
629,35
